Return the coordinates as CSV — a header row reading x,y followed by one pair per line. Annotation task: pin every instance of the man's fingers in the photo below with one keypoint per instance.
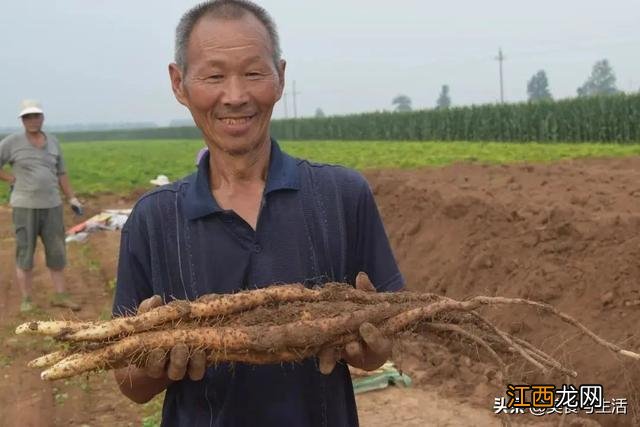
x,y
375,340
156,362
197,365
178,359
354,352
364,283
149,303
180,363
327,358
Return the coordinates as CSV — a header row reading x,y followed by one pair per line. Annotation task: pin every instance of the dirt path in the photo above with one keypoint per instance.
x,y
27,400
567,234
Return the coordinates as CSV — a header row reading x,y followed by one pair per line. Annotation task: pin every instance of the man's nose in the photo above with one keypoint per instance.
x,y
235,92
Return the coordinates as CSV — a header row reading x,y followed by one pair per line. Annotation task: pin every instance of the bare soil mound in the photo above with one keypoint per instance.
x,y
565,233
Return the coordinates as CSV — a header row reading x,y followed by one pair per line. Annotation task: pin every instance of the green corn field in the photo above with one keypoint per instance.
x,y
596,119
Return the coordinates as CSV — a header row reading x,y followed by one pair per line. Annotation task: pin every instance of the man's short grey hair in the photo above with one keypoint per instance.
x,y
222,9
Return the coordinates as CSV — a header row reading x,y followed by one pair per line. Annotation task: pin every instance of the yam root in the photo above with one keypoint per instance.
x,y
285,323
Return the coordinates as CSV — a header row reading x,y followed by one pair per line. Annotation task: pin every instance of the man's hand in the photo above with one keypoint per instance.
x,y
369,353
76,206
176,363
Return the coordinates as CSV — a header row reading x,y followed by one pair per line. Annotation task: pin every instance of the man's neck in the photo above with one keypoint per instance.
x,y
37,137
229,172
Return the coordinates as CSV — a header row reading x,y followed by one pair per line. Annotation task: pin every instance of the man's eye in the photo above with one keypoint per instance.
x,y
253,75
215,77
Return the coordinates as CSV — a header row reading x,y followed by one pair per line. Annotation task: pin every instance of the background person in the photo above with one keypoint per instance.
x,y
37,173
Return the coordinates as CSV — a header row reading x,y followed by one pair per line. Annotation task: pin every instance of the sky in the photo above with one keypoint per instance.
x,y
92,61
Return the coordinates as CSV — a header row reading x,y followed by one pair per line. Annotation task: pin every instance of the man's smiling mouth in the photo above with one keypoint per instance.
x,y
236,120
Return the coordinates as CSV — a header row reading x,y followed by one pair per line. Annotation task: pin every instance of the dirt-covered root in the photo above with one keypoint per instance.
x,y
277,339
48,359
53,327
260,358
215,306
293,323
416,315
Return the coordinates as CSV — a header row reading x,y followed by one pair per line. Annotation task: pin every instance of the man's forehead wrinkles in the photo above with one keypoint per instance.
x,y
245,54
237,48
243,41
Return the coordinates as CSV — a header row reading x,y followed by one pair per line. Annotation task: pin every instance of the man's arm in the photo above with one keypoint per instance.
x,y
4,158
65,184
134,382
8,177
374,258
373,250
68,192
135,293
137,385
142,384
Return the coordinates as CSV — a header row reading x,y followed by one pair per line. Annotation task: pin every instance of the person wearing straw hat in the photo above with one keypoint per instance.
x,y
37,173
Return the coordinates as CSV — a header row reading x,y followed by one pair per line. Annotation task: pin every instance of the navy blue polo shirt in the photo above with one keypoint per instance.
x,y
317,223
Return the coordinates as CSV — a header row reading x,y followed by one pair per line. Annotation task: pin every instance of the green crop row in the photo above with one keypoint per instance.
x,y
597,119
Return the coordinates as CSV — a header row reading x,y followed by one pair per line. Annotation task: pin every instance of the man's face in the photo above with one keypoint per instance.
x,y
231,82
33,122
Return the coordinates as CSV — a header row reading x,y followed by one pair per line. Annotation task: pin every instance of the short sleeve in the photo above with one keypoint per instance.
x,y
61,168
374,254
133,281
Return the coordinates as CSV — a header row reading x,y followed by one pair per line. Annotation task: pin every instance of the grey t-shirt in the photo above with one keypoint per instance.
x,y
36,171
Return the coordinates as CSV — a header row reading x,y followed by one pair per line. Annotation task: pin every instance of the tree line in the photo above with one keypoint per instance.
x,y
601,82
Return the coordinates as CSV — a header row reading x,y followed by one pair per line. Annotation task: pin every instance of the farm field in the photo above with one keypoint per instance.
x,y
122,166
559,223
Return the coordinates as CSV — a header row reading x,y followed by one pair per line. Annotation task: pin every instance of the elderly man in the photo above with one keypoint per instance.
x,y
37,171
250,216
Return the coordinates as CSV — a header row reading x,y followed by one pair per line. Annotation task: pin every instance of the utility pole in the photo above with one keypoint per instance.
x,y
295,105
500,58
284,100
295,94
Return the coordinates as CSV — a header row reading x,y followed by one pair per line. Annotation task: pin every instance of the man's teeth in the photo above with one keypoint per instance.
x,y
235,121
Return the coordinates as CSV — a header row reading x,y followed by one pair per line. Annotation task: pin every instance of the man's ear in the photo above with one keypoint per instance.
x,y
175,74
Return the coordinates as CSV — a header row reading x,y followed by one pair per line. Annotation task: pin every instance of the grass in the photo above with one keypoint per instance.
x,y
5,360
152,412
120,166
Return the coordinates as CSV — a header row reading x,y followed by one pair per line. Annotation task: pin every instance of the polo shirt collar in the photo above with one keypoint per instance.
x,y
199,202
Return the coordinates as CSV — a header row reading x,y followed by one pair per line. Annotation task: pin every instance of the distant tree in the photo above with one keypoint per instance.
x,y
602,81
444,100
319,113
402,103
538,87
